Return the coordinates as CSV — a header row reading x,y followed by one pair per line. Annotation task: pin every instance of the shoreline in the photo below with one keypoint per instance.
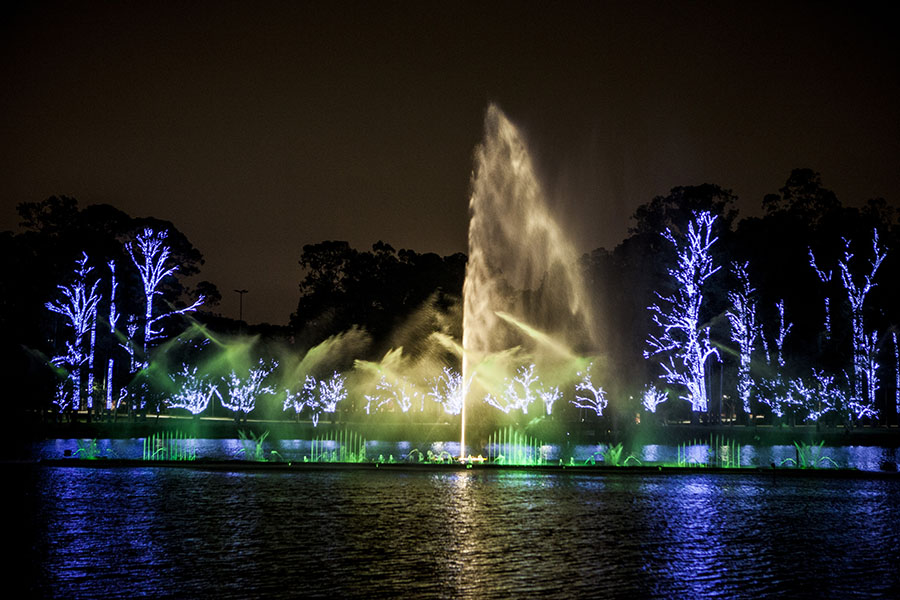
x,y
554,432
235,465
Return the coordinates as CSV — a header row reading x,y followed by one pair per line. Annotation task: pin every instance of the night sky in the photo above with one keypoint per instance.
x,y
258,127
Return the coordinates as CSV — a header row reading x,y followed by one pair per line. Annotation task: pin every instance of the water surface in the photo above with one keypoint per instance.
x,y
120,533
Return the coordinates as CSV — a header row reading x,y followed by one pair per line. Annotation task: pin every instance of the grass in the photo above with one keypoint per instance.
x,y
88,449
253,447
809,456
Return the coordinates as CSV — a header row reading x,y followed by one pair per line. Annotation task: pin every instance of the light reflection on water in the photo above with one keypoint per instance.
x,y
117,533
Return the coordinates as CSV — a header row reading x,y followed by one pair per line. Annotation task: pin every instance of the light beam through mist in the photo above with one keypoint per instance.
x,y
522,268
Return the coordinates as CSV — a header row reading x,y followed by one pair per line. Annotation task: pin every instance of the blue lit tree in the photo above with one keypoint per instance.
x,y
78,306
328,393
826,279
865,367
775,390
113,320
151,255
131,329
744,329
682,340
242,392
193,392
652,397
295,400
320,396
821,397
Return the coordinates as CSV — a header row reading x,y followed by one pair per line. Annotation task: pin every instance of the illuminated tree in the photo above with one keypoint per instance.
x,y
330,392
79,307
744,329
243,391
321,396
131,328
193,393
399,391
295,400
150,255
113,319
519,392
826,279
776,391
822,397
682,339
652,397
549,396
589,396
449,390
865,367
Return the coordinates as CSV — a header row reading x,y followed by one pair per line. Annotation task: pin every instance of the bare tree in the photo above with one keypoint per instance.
x,y
682,339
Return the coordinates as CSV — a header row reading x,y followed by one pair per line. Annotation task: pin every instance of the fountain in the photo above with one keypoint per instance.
x,y
523,293
526,323
526,346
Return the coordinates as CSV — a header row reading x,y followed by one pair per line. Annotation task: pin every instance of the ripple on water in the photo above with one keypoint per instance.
x,y
119,533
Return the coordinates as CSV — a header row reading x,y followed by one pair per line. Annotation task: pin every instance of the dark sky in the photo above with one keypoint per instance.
x,y
258,127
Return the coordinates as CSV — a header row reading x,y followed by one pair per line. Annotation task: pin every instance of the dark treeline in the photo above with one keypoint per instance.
x,y
804,215
378,290
395,296
398,297
42,256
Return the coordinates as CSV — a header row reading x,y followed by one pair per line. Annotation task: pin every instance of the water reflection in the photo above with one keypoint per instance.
x,y
118,533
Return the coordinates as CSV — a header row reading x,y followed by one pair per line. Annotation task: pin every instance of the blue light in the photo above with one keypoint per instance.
x,y
776,392
896,372
113,319
150,255
652,397
242,392
682,339
826,279
320,396
865,366
194,392
744,329
79,307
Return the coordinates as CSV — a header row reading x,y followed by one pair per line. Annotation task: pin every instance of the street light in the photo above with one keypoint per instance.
x,y
241,305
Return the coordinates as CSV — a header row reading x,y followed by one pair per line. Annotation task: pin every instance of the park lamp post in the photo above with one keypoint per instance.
x,y
241,306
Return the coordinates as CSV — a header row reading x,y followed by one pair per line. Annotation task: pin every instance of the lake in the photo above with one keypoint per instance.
x,y
347,533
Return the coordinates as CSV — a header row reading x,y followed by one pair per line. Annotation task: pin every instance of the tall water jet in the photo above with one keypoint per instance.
x,y
522,267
